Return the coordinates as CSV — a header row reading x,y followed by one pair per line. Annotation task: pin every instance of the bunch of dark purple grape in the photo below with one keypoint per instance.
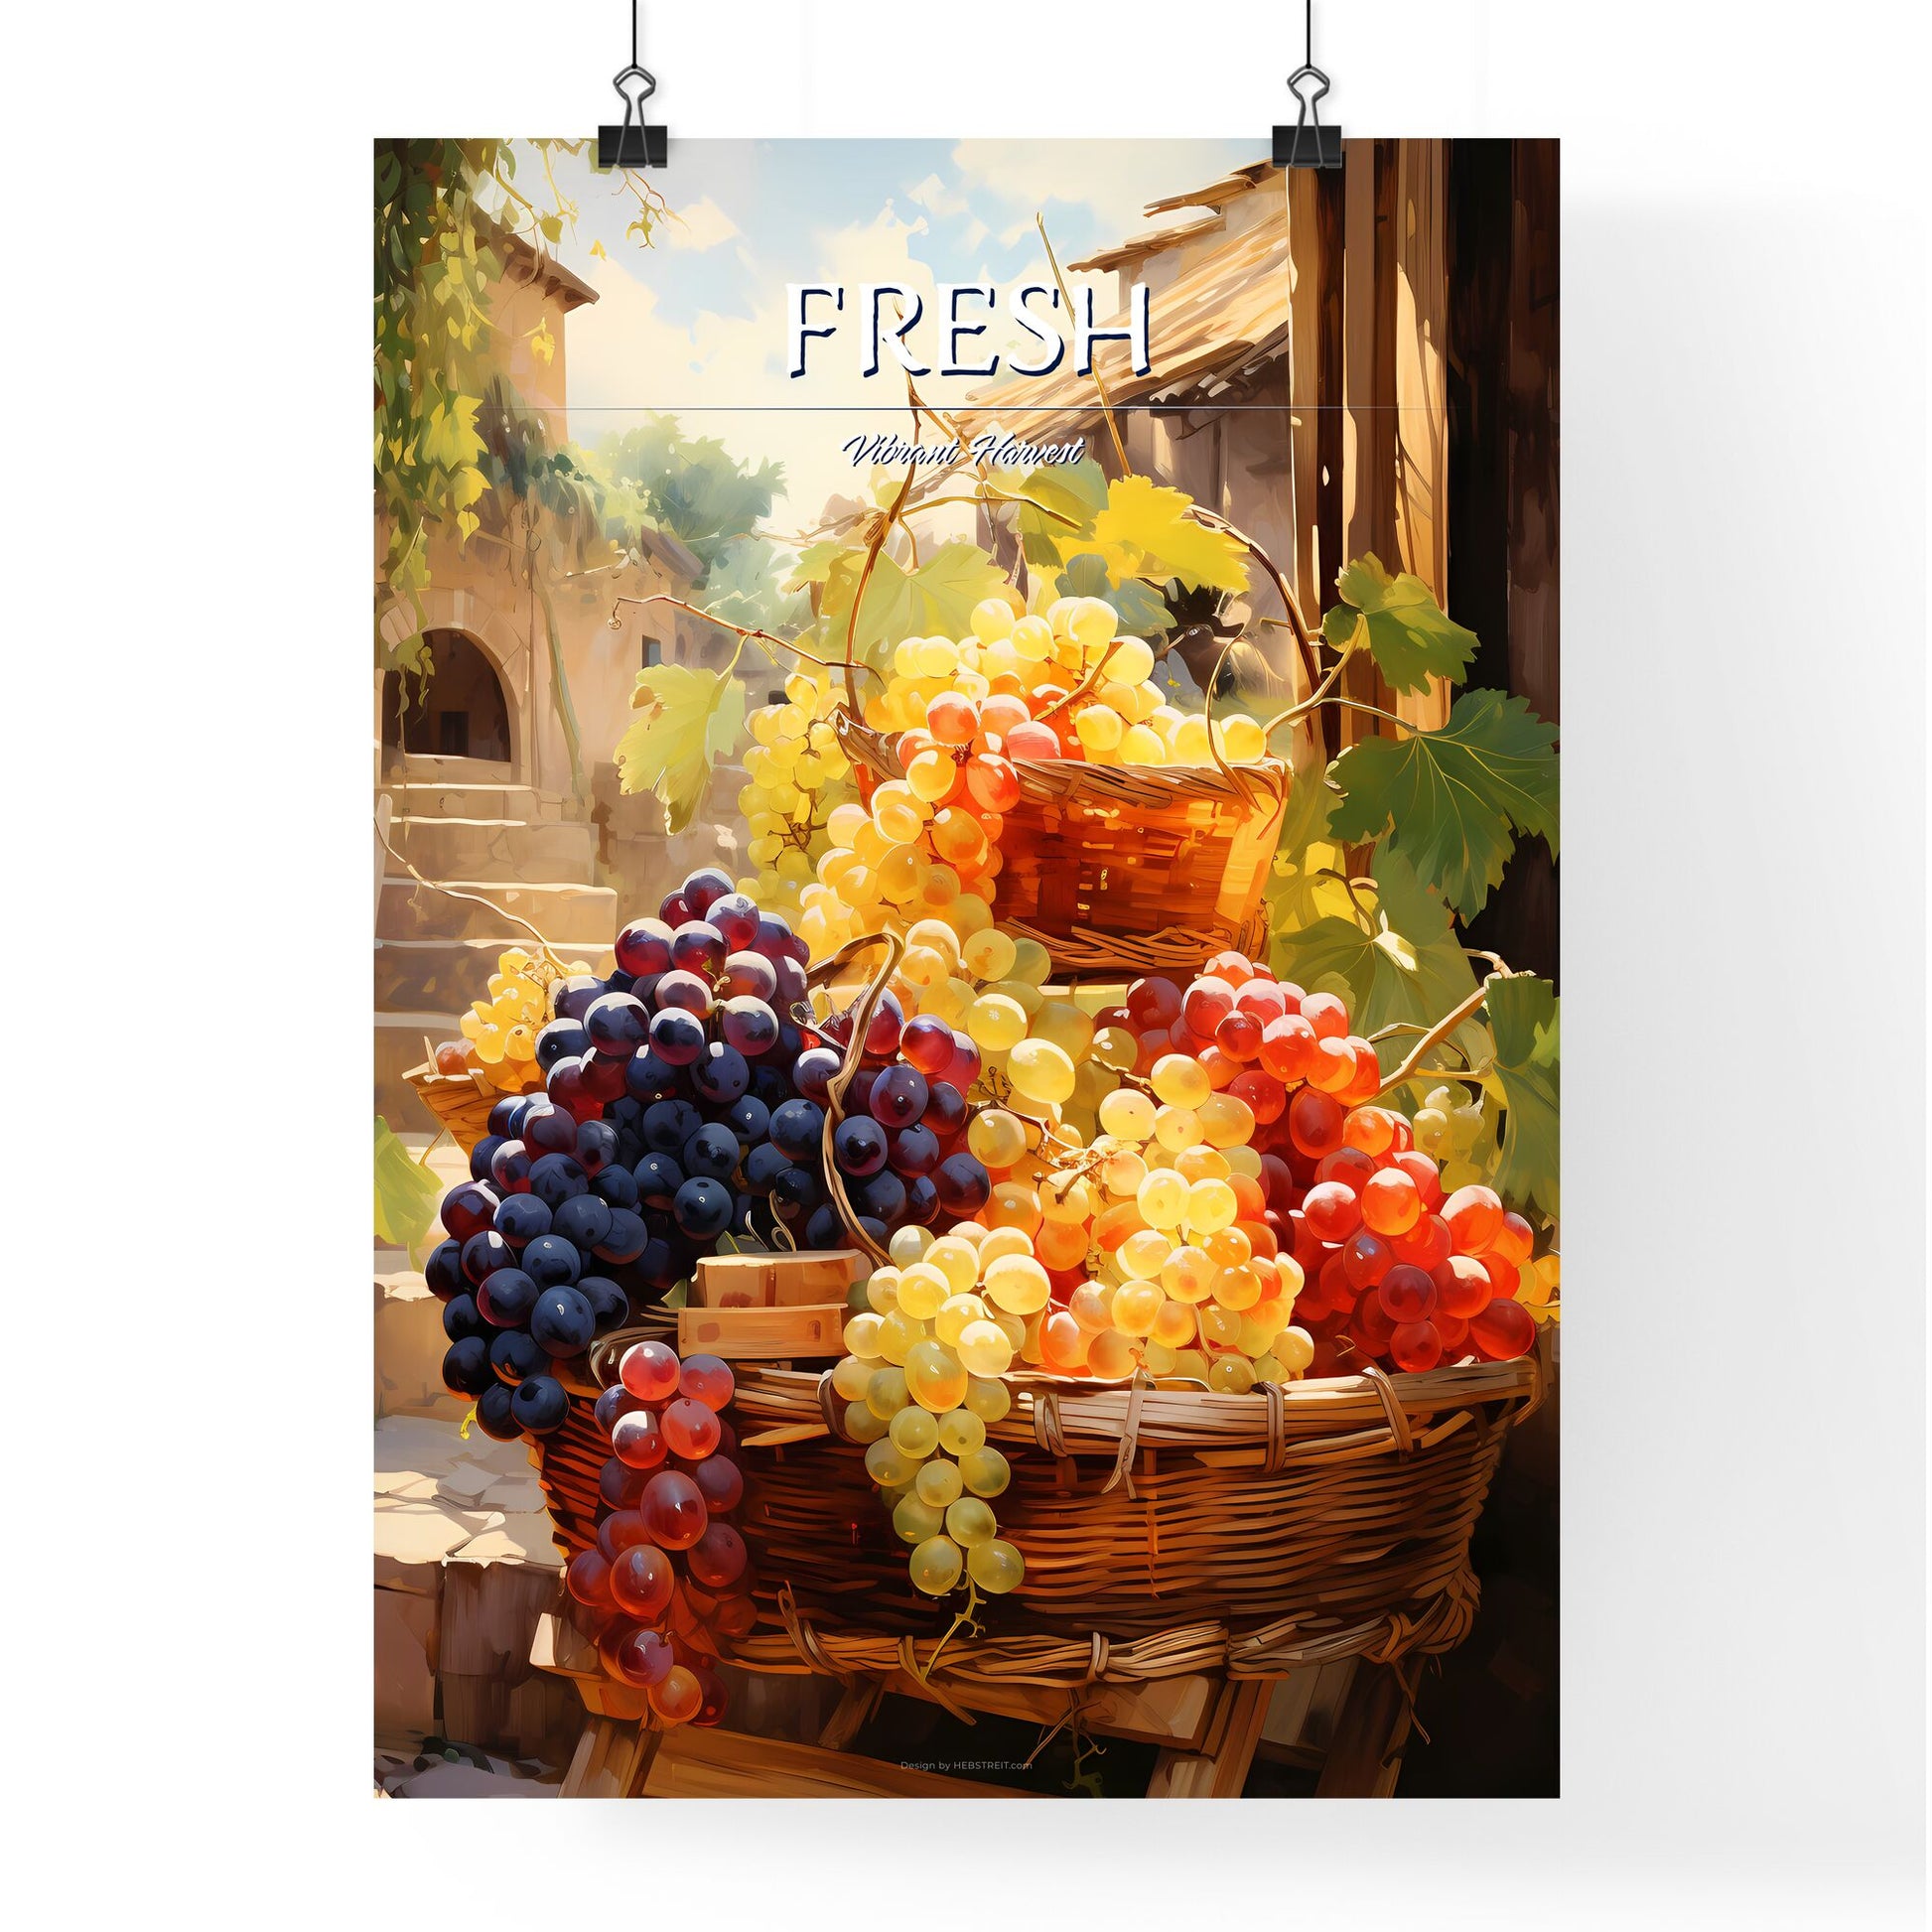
x,y
684,1101
669,1118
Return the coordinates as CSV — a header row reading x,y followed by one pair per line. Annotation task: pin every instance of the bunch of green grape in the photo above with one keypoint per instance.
x,y
796,775
919,1384
1451,1126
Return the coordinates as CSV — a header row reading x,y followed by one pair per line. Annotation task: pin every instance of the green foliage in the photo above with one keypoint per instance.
x,y
1140,612
1452,800
435,259
1065,500
454,446
1408,635
656,477
1527,1080
406,1193
1397,952
935,597
1443,810
745,585
688,720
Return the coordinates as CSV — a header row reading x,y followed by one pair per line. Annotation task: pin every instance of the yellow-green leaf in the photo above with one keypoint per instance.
x,y
688,720
406,1192
1146,532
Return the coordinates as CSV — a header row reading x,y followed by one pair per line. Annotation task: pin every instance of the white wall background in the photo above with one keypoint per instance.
x,y
1744,450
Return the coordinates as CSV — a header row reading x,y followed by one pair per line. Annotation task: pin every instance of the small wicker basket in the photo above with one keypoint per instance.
x,y
1125,870
459,1100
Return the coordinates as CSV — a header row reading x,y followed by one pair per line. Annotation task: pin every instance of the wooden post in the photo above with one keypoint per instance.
x,y
1365,1754
1421,421
1370,179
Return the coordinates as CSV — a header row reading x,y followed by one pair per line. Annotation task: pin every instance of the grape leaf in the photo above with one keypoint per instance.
x,y
935,600
814,564
689,719
1409,636
406,1193
1297,893
1146,532
1077,490
1411,968
1526,1082
1140,612
1452,800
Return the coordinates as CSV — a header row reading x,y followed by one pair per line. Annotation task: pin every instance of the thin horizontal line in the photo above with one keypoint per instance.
x,y
969,409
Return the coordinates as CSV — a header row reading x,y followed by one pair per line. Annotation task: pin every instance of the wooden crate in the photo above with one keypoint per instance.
x,y
777,1281
759,1335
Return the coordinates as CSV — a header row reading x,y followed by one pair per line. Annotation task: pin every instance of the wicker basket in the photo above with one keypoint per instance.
x,y
459,1100
1124,869
1165,1530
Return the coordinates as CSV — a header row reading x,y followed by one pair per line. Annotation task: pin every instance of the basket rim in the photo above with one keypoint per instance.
x,y
1075,1418
1058,778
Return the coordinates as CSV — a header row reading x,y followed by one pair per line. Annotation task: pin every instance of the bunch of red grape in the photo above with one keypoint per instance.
x,y
1395,1272
667,1589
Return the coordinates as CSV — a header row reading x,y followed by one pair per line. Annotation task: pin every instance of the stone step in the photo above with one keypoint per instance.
x,y
425,768
560,910
431,799
496,848
445,975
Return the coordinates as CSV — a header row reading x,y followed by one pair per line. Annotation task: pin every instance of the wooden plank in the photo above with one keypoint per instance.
x,y
611,1760
1365,1754
1530,425
1421,298
1221,1771
858,1702
562,1648
1165,1711
774,1281
1369,438
693,1764
757,1334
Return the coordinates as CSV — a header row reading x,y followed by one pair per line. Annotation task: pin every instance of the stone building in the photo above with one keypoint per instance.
x,y
473,775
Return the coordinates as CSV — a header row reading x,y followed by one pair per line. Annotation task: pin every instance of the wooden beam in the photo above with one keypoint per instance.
x,y
1370,183
611,1760
1420,420
692,1764
1220,1770
1365,1754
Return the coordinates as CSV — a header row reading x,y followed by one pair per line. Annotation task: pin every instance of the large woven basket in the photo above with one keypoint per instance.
x,y
1165,1530
1124,869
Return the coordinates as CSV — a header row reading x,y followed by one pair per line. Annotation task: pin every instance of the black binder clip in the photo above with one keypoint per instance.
x,y
1307,144
633,143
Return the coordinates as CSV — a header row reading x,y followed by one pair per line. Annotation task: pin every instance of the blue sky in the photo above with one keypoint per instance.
x,y
696,323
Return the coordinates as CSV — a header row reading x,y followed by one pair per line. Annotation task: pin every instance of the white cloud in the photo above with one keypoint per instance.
x,y
936,198
699,226
1115,179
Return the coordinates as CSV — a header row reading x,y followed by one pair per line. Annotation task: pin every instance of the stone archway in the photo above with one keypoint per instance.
x,y
462,710
485,625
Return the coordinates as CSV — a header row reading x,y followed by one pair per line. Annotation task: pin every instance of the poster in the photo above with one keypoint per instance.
x,y
1096,603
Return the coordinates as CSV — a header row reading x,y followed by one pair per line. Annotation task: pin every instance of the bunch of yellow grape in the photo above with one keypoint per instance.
x,y
1162,1219
919,1384
795,773
1057,683
500,1032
